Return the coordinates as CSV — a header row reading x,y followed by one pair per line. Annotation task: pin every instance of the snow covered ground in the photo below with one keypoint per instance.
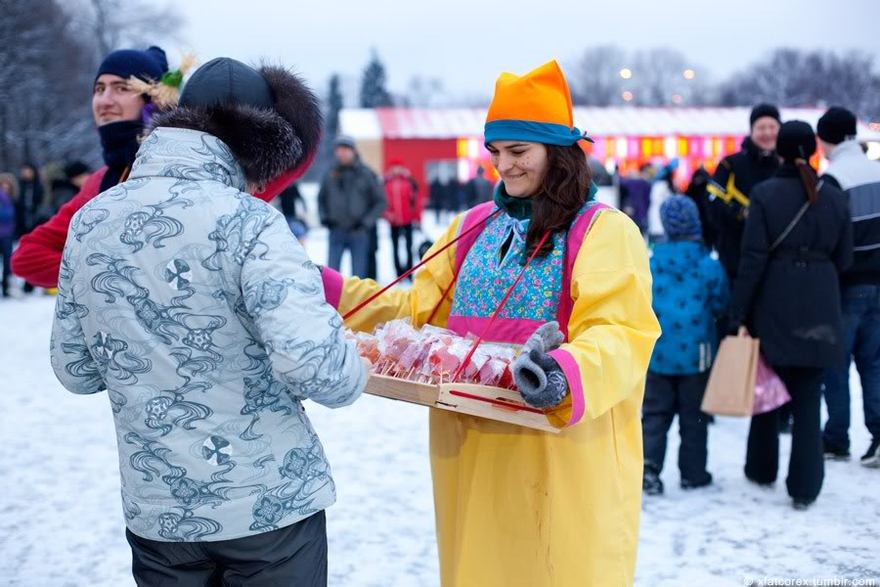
x,y
61,519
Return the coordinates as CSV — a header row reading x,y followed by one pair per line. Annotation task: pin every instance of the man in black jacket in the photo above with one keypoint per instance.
x,y
733,181
859,178
478,189
30,199
350,201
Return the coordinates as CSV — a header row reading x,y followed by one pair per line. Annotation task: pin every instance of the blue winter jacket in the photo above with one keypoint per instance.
x,y
690,292
197,310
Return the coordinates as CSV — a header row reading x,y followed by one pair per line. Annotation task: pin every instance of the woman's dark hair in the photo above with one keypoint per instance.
x,y
796,143
808,178
563,192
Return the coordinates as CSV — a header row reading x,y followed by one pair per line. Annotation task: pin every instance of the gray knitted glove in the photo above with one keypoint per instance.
x,y
540,379
546,338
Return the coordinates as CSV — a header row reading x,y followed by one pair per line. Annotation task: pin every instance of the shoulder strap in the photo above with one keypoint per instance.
x,y
794,221
464,233
576,235
580,227
500,307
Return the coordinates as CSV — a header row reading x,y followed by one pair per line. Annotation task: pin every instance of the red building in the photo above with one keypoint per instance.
x,y
448,142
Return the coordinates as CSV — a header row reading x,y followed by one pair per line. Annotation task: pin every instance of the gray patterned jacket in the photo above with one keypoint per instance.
x,y
193,305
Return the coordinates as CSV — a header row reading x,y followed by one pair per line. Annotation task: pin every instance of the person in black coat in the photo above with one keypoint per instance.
x,y
696,191
350,201
437,197
735,178
294,209
28,204
30,198
64,189
797,239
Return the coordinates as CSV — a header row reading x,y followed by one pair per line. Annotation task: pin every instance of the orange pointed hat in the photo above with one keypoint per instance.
x,y
535,107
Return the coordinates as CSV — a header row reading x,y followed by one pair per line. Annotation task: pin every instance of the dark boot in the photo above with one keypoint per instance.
x,y
802,504
872,457
651,483
688,484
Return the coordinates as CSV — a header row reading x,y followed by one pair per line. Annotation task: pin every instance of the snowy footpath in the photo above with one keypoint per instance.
x,y
61,518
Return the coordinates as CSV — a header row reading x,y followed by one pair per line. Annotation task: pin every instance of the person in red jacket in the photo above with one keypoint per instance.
x,y
403,211
120,114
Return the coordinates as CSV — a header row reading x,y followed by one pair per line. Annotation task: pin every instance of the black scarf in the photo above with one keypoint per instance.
x,y
119,141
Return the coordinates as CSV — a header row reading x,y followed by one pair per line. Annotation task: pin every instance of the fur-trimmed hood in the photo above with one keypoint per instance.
x,y
224,98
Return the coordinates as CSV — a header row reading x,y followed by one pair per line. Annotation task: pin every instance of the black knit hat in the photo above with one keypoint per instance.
x,y
762,110
836,125
268,117
147,65
796,140
75,168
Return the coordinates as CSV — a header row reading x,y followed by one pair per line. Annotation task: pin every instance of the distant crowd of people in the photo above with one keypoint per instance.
x,y
766,244
352,198
30,198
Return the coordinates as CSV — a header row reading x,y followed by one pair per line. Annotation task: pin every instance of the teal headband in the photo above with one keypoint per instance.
x,y
548,133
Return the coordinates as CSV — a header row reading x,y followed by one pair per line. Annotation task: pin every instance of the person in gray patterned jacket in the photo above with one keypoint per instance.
x,y
194,306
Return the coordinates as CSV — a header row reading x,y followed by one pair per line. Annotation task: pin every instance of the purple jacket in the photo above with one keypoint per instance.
x,y
637,195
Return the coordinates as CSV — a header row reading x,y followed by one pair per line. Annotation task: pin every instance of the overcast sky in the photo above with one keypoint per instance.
x,y
467,43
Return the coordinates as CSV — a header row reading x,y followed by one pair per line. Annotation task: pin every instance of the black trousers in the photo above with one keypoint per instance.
x,y
372,268
293,555
406,231
667,396
806,467
6,253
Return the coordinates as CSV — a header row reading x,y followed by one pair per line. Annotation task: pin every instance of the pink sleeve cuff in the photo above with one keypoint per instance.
x,y
575,385
332,286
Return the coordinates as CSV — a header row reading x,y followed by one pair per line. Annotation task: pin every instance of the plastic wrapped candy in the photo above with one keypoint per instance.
x,y
434,355
411,360
496,372
395,338
444,359
367,345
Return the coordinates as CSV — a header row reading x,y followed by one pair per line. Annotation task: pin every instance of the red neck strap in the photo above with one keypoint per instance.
x,y
500,307
421,264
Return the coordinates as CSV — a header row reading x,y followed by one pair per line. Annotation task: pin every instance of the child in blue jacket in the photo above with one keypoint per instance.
x,y
690,293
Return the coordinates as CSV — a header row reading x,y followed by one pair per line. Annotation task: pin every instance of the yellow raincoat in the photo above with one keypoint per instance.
x,y
520,507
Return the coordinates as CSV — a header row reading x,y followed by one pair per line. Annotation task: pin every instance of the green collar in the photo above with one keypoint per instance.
x,y
519,208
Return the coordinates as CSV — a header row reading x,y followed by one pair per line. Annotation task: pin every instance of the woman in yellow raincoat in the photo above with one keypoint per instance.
x,y
516,506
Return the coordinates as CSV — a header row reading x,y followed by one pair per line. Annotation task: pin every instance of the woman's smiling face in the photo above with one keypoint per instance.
x,y
522,166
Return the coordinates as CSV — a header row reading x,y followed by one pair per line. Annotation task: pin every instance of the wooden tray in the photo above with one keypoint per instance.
x,y
494,403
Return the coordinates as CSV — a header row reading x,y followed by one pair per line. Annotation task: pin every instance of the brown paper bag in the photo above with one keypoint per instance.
x,y
731,387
